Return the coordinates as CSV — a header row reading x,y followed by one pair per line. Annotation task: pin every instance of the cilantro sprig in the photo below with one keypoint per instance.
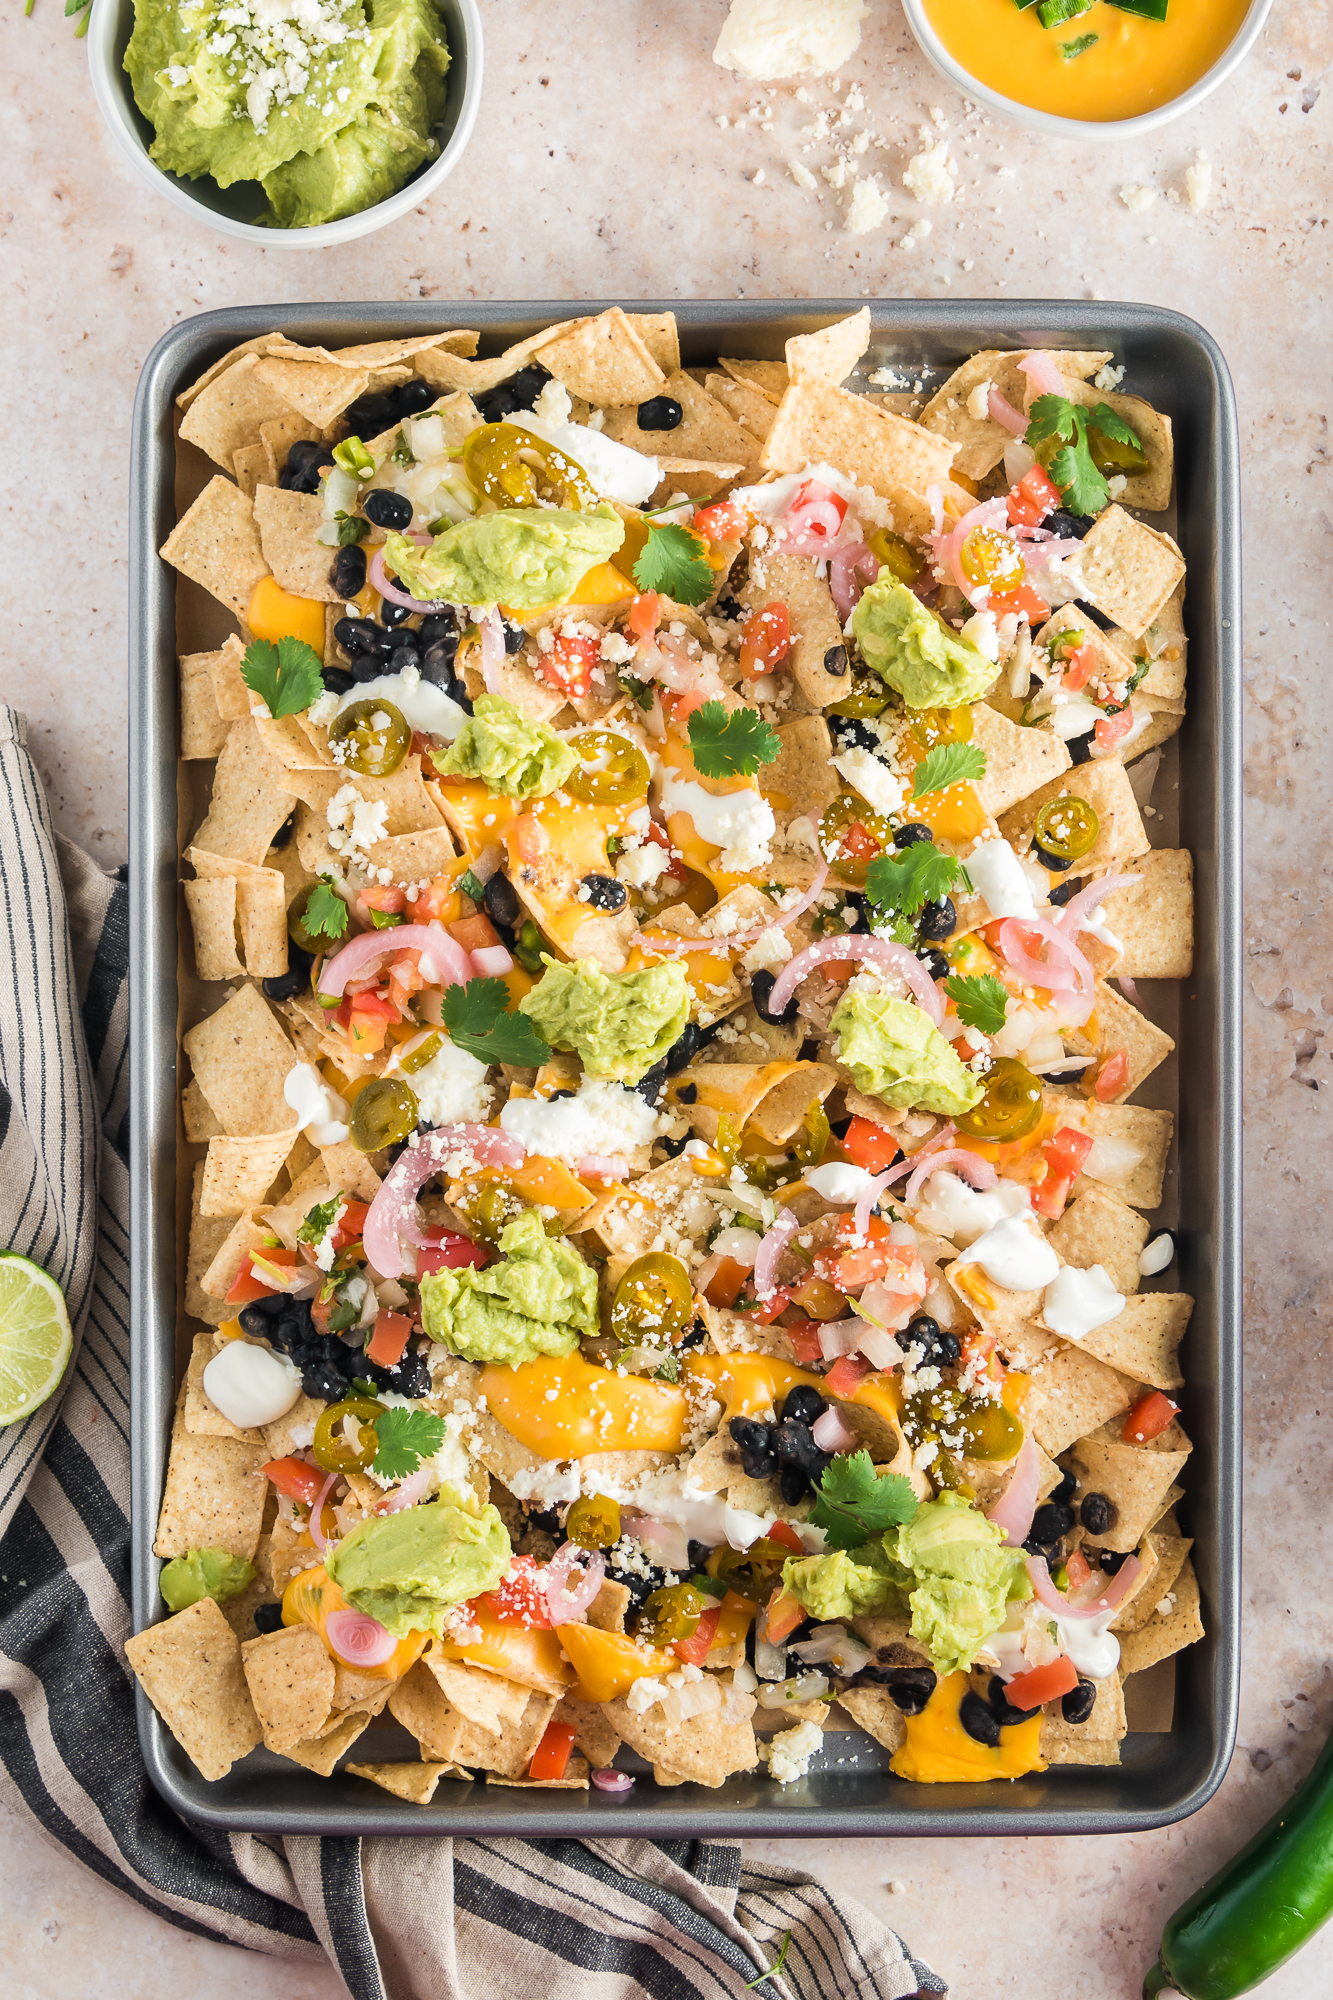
x,y
855,1502
673,561
916,875
406,1438
1082,487
319,1220
980,999
947,764
476,1019
288,676
325,913
730,746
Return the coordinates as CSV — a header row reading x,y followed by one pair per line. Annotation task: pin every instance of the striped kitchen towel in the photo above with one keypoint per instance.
x,y
417,1919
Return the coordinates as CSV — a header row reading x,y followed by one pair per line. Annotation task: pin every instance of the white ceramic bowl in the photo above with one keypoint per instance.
x,y
232,211
949,66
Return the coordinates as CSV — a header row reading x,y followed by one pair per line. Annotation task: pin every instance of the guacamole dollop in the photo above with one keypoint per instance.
x,y
331,107
913,649
895,1052
538,1301
409,1569
620,1023
946,1564
522,557
509,751
204,1573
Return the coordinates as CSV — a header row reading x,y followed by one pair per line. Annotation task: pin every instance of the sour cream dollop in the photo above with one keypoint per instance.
x,y
998,877
321,1112
421,704
250,1385
966,1213
1014,1256
1078,1302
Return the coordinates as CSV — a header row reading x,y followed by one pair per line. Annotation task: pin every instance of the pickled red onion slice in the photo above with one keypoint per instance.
x,y
492,650
569,1606
392,1215
443,961
379,576
1014,1509
770,1250
873,951
1042,373
1001,411
316,1521
1115,1593
358,1639
970,1167
846,565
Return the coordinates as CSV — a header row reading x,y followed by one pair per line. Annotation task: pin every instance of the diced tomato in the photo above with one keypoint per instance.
x,y
552,1753
1032,499
678,708
246,1287
722,522
452,1252
764,1311
765,640
530,838
1078,1569
474,933
784,1533
847,1374
724,1287
1068,1150
869,1145
434,899
350,1224
392,899
520,1596
784,1615
295,1478
871,1261
369,1019
694,1650
569,663
386,1343
1110,728
422,746
1049,1196
979,1357
1023,601
1041,1684
1079,668
641,620
858,845
1112,1077
1149,1417
805,1342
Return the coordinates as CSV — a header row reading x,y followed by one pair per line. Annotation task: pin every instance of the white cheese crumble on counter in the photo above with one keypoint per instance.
x,y
764,39
929,174
866,209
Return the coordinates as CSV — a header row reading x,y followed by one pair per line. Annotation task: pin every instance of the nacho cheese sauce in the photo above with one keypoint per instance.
x,y
664,1194
1134,65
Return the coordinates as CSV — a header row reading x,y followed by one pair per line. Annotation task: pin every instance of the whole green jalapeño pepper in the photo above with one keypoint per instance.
x,y
1260,1908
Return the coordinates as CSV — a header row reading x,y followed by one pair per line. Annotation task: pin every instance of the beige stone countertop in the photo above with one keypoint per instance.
x,y
611,160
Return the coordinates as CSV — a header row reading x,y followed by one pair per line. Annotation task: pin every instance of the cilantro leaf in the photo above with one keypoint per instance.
x,y
1053,417
406,1437
916,875
947,764
1105,420
1082,487
384,920
730,746
325,913
855,1502
472,886
287,676
980,999
476,1019
673,561
319,1220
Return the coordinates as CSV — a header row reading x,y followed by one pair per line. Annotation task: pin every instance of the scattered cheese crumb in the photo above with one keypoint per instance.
x,y
916,234
763,39
757,180
788,1754
928,175
801,175
836,175
1137,199
866,209
1199,182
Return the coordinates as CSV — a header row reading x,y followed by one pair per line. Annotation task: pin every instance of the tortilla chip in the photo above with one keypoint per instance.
x,y
1072,1393
241,1058
212,907
201,1417
1017,760
1142,1340
1128,570
1134,1477
225,416
1139,1609
1087,1742
288,525
705,1751
816,422
200,1120
256,898
250,800
492,1703
980,440
252,465
605,360
416,857
230,694
1164,722
772,377
409,806
189,1666
414,1782
446,1735
749,406
216,544
1166,644
1121,834
874,1710
707,429
278,435
831,354
1140,1184
214,1494
819,651
203,729
320,1753
1097,1228
259,345
1154,918
1113,1027
240,1171
574,1780
207,1234
290,1676
445,369
772,1099
318,391
1110,661
1165,1633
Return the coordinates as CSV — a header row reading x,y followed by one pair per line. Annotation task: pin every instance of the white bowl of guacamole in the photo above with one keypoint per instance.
x,y
297,122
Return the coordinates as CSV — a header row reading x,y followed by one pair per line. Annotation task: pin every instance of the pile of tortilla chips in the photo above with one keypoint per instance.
x,y
225,1685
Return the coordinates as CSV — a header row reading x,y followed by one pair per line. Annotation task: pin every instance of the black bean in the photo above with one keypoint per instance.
x,y
544,1518
857,903
1052,1522
698,1554
285,831
1064,892
528,384
256,1317
835,661
337,680
514,636
1096,1513
369,666
849,732
604,892
795,1446
978,1719
392,615
438,666
307,452
910,1688
439,625
803,1404
268,1618
652,1083
402,656
500,900
1080,748
305,481
688,1093
761,985
349,571
325,1382
729,607
936,964
1002,1708
1055,864
1067,1488
359,635
1046,1550
673,1148
1061,522
759,1465
1077,1705
938,920
387,509
750,1434
369,415
940,1349
660,413
413,397
678,1055
497,404
792,1484
286,985
1112,1561
911,833
410,1377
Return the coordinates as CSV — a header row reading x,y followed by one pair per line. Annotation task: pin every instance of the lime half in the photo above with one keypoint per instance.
x,y
36,1339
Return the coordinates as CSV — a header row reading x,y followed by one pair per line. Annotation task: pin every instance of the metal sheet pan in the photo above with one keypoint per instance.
x,y
1163,1777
